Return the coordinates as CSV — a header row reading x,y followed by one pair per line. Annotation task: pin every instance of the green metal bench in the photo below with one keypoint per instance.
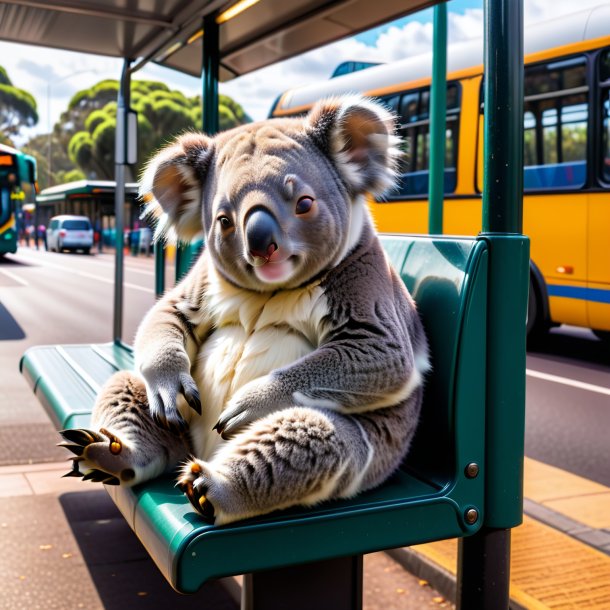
x,y
440,492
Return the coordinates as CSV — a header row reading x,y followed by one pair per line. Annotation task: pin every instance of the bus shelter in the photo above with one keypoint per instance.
x,y
221,40
94,199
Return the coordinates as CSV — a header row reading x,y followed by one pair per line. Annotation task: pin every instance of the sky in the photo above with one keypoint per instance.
x,y
53,76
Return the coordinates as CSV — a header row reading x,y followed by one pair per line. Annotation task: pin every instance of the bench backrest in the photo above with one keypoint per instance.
x,y
448,280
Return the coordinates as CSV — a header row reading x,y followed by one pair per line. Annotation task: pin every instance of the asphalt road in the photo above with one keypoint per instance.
x,y
67,298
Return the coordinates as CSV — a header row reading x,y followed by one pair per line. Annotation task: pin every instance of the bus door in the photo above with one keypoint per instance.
x,y
599,209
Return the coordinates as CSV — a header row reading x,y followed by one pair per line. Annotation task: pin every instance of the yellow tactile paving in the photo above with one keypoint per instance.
x,y
549,570
566,493
592,510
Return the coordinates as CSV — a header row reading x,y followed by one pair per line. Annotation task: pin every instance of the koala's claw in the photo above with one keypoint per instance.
x,y
193,485
165,414
190,392
88,446
162,398
232,420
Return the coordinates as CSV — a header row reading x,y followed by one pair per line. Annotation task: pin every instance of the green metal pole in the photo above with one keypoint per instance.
x,y
186,253
484,558
123,103
159,250
503,127
438,120
209,75
509,260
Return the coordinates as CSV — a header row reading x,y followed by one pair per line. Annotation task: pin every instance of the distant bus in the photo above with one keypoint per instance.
x,y
566,157
17,189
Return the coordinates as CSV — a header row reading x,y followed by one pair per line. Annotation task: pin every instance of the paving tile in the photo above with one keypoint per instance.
x,y
591,509
14,485
52,481
544,483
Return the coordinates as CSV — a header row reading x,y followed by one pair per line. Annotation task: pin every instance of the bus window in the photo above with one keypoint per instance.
x,y
414,120
555,125
529,138
6,207
604,77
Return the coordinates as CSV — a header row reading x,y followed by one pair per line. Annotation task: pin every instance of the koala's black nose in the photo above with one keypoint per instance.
x,y
262,233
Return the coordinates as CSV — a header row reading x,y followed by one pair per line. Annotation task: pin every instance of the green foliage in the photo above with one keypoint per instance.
x,y
4,79
87,128
17,108
95,118
74,175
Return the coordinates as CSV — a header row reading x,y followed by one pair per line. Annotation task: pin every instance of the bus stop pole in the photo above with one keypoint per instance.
x,y
186,253
438,121
123,103
484,558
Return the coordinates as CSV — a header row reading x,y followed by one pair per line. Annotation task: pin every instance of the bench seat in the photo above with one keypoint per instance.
x,y
427,499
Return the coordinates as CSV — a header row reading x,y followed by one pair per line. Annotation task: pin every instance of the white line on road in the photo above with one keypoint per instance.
x,y
571,382
91,261
99,278
14,277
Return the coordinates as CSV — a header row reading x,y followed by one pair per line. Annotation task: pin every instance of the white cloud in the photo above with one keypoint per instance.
x,y
257,91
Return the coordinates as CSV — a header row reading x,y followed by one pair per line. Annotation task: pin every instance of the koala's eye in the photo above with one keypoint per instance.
x,y
225,222
304,205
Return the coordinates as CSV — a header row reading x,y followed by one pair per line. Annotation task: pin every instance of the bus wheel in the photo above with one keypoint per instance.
x,y
536,326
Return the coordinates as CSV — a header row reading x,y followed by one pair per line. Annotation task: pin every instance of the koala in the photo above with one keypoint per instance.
x,y
287,367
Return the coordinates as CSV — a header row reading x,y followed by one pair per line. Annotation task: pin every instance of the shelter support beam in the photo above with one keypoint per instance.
x,y
438,121
186,253
484,559
122,134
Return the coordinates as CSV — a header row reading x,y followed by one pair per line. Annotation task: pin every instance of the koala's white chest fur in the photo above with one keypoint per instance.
x,y
253,335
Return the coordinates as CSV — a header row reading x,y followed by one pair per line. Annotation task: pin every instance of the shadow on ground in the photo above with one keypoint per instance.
x,y
567,344
121,569
9,328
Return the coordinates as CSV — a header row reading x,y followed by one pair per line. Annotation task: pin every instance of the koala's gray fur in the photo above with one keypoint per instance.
x,y
290,360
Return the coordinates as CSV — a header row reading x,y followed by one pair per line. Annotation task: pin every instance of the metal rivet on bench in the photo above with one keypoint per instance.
x,y
472,470
471,516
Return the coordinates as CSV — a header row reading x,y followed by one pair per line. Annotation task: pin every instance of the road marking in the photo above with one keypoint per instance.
x,y
97,262
127,267
571,382
14,277
98,278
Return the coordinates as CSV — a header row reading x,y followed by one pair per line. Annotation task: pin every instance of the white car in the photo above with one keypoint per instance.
x,y
70,233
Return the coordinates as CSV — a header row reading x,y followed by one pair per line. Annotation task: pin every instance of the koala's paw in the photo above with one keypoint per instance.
x,y
194,482
163,388
253,401
99,456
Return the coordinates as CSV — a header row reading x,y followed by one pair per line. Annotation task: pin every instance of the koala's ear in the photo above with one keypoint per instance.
x,y
171,186
358,135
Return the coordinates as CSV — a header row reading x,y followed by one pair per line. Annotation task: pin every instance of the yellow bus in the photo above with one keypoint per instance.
x,y
566,157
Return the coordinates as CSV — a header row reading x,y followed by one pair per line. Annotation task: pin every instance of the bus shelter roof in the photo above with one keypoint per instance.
x,y
83,188
170,32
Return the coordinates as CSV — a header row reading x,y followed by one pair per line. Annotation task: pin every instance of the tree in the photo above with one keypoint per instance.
x,y
87,128
17,108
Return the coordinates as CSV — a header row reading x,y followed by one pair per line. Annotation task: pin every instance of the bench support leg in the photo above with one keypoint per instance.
x,y
334,583
483,573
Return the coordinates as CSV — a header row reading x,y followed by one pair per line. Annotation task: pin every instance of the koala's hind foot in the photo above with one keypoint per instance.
x,y
99,457
124,444
194,484
297,456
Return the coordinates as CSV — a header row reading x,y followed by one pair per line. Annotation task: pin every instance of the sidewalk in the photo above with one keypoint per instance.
x,y
65,546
